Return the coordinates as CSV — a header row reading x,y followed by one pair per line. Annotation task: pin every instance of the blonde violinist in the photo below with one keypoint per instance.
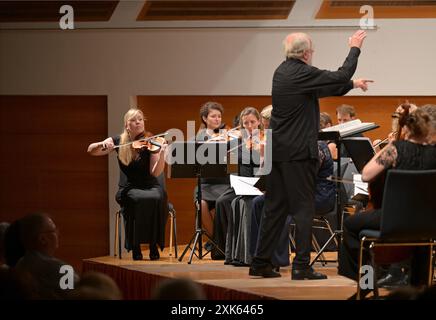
x,y
140,195
248,153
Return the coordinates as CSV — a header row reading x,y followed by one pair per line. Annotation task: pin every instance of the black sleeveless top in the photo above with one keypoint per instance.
x,y
413,156
137,173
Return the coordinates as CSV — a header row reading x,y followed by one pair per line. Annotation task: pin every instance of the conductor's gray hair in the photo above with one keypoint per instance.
x,y
296,44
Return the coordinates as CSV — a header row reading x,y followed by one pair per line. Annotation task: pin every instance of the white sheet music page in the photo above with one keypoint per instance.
x,y
359,185
349,127
244,186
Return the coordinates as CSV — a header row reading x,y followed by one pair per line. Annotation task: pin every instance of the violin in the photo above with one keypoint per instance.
x,y
256,141
221,134
152,143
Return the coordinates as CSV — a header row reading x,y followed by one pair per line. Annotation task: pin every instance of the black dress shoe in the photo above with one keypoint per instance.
x,y
154,252
136,253
266,272
308,274
137,256
238,263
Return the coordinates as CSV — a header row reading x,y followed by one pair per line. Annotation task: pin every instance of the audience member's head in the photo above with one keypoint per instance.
x,y
403,293
345,113
427,293
265,115
325,120
3,227
39,233
13,244
16,286
178,289
95,286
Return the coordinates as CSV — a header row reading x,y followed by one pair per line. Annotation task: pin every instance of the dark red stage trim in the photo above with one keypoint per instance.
x,y
137,285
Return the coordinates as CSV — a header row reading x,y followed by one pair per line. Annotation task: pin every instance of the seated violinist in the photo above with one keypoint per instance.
x,y
248,154
412,153
211,188
140,194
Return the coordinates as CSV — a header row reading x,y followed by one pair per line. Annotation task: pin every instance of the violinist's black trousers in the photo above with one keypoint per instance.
x,y
290,189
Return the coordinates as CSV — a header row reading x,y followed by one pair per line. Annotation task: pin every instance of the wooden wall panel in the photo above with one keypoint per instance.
x,y
165,112
44,167
42,11
215,10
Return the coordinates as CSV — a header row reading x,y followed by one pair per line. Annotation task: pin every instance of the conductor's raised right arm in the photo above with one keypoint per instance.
x,y
101,148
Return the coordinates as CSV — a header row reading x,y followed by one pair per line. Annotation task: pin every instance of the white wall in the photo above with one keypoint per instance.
x,y
399,56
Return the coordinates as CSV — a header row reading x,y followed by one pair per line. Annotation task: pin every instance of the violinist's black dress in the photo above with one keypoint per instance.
x,y
143,200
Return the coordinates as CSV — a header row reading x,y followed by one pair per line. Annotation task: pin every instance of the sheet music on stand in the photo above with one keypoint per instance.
x,y
244,186
351,127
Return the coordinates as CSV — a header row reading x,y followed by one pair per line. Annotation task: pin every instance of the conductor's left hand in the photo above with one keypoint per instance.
x,y
362,83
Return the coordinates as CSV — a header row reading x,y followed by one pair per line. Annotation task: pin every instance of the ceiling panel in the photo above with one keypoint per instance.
x,y
350,9
215,10
47,11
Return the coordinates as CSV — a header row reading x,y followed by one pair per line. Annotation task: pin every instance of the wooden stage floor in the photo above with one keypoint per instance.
x,y
220,281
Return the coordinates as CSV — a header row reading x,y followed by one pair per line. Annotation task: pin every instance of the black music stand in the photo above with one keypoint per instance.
x,y
193,159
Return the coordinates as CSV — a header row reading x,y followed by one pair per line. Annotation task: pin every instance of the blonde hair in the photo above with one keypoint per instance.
x,y
247,111
126,154
266,112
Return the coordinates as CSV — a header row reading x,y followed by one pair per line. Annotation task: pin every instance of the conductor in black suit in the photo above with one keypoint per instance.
x,y
290,187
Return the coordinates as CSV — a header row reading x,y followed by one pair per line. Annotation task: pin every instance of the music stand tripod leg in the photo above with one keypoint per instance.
x,y
337,233
187,247
196,238
196,241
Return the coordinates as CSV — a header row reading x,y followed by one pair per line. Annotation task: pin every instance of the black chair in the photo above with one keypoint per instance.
x,y
329,222
173,224
408,218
